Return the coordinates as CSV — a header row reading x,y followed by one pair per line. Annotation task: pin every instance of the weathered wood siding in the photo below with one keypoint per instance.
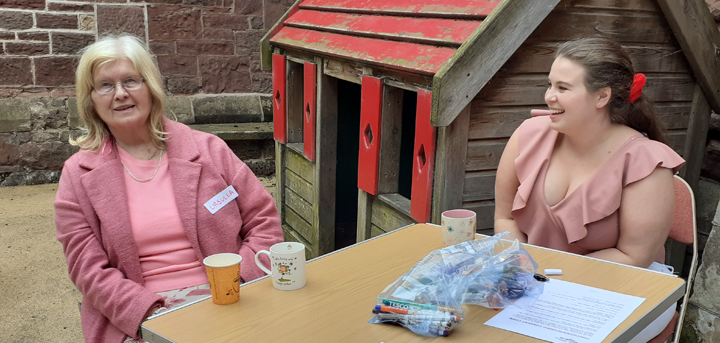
x,y
297,190
503,104
385,218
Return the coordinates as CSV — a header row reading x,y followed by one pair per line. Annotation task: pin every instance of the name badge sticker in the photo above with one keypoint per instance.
x,y
221,199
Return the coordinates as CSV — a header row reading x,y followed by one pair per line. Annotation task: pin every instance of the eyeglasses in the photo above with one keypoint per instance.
x,y
109,87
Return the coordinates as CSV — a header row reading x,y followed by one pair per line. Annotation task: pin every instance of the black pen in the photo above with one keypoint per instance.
x,y
541,278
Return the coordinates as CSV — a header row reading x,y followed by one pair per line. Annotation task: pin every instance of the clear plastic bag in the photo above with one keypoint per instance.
x,y
428,299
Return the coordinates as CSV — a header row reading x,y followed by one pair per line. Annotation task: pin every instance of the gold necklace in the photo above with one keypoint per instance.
x,y
153,175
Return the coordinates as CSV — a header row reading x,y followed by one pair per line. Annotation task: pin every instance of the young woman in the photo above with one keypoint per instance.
x,y
593,177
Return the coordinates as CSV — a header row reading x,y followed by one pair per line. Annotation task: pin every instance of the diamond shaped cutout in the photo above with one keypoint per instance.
x,y
307,112
278,101
368,135
421,157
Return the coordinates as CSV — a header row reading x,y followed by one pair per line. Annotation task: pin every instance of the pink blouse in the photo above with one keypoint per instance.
x,y
587,219
167,259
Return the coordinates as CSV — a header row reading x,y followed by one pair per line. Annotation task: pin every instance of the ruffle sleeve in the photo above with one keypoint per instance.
x,y
600,196
535,143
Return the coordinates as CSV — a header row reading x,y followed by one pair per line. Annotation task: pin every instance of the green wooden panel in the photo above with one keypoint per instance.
x,y
376,231
387,218
300,225
299,164
299,205
300,186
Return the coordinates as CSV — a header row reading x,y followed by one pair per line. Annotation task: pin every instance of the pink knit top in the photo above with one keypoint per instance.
x,y
167,259
587,219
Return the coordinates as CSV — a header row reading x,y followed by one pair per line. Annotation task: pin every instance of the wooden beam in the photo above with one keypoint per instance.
x,y
392,105
364,215
483,54
326,158
451,151
279,178
294,101
699,39
265,48
695,140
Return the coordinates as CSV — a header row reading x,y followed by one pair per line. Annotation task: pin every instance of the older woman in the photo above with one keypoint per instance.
x,y
130,208
593,177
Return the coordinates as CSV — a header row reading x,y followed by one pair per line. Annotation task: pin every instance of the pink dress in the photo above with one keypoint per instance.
x,y
587,219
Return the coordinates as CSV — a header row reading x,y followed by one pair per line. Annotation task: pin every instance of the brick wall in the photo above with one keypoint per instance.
x,y
203,48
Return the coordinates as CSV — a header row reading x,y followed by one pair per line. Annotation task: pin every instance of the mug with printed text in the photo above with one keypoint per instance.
x,y
458,226
287,268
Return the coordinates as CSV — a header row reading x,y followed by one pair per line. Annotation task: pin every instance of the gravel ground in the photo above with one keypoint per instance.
x,y
38,303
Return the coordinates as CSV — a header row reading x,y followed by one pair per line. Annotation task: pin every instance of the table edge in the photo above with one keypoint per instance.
x,y
161,339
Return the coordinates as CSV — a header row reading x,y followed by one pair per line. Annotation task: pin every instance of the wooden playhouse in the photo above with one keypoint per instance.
x,y
388,112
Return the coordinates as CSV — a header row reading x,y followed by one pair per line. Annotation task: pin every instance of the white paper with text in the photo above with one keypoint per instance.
x,y
567,312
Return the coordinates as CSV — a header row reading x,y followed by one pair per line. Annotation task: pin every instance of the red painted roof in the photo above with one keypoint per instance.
x,y
411,35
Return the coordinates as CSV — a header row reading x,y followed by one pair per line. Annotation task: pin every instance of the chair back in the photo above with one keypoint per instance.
x,y
683,226
684,229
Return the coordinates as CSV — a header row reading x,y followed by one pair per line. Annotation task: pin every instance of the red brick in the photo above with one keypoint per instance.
x,y
273,12
7,35
55,71
177,65
11,20
15,71
261,83
205,48
70,43
162,48
57,21
27,49
204,2
23,4
219,34
166,22
41,36
256,23
129,19
165,2
249,7
9,92
183,84
63,92
225,74
55,6
220,21
249,40
103,1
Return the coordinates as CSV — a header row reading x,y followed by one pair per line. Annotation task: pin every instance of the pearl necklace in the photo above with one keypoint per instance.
x,y
153,175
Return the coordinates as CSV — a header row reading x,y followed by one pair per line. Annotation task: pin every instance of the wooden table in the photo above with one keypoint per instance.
x,y
336,303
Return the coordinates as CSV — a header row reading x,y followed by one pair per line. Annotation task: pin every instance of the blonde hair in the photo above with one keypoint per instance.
x,y
109,49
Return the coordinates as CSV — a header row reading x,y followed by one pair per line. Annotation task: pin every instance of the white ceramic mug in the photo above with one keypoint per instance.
x,y
287,261
458,226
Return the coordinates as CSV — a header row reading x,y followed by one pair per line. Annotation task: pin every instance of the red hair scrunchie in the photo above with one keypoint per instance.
x,y
637,86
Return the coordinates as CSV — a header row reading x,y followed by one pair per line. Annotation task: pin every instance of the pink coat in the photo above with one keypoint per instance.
x,y
92,219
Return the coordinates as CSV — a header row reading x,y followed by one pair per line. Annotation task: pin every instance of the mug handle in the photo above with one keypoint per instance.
x,y
259,264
